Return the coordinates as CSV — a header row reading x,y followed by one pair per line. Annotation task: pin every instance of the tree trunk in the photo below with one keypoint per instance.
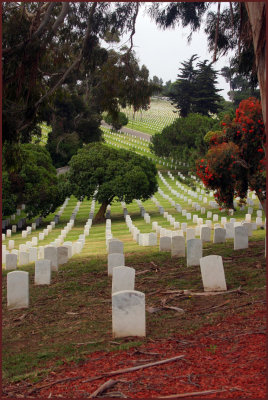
x,y
100,216
257,17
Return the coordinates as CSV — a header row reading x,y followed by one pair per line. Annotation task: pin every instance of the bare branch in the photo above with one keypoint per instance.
x,y
232,16
60,81
44,23
133,27
60,19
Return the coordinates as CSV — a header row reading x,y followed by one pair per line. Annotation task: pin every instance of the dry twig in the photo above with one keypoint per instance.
x,y
126,370
105,386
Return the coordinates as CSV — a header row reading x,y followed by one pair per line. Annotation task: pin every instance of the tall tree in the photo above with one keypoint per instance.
x,y
206,98
182,92
195,89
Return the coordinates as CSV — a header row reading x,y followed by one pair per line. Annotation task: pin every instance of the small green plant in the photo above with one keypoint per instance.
x,y
212,348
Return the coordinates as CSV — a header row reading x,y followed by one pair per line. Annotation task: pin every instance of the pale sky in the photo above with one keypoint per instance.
x,y
162,51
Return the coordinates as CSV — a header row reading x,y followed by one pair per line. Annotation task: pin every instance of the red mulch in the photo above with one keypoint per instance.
x,y
230,355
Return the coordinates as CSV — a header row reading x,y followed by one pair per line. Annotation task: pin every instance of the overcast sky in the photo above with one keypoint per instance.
x,y
162,51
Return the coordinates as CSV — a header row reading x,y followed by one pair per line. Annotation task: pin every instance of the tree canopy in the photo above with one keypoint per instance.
x,y
33,182
184,138
116,175
236,160
53,51
195,89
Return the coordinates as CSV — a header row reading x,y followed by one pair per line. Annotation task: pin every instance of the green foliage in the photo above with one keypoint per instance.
x,y
34,182
184,138
116,174
73,123
195,89
9,199
117,121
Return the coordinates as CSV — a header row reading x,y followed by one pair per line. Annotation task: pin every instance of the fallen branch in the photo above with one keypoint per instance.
x,y
173,308
55,383
189,293
142,272
126,370
107,385
173,396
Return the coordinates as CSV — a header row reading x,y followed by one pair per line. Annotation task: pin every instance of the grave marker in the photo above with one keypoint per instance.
x,y
17,290
123,279
128,313
212,273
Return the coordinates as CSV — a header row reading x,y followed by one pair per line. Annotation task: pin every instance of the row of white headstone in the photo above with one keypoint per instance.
x,y
27,253
128,304
53,257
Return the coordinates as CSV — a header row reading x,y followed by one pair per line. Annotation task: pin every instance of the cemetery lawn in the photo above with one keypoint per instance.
x,y
68,324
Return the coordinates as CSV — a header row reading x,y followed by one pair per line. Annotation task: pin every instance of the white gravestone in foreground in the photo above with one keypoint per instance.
x,y
128,314
212,273
17,290
123,279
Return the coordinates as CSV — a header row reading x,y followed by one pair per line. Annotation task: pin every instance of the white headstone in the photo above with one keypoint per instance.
x,y
190,233
23,258
128,314
184,226
41,236
212,273
248,217
115,246
152,239
240,238
194,252
205,233
229,227
123,279
165,243
11,261
219,235
51,253
11,244
42,274
17,290
41,252
62,255
178,246
34,241
33,256
248,226
115,260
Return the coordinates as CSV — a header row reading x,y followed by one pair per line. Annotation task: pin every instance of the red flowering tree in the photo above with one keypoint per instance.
x,y
236,159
